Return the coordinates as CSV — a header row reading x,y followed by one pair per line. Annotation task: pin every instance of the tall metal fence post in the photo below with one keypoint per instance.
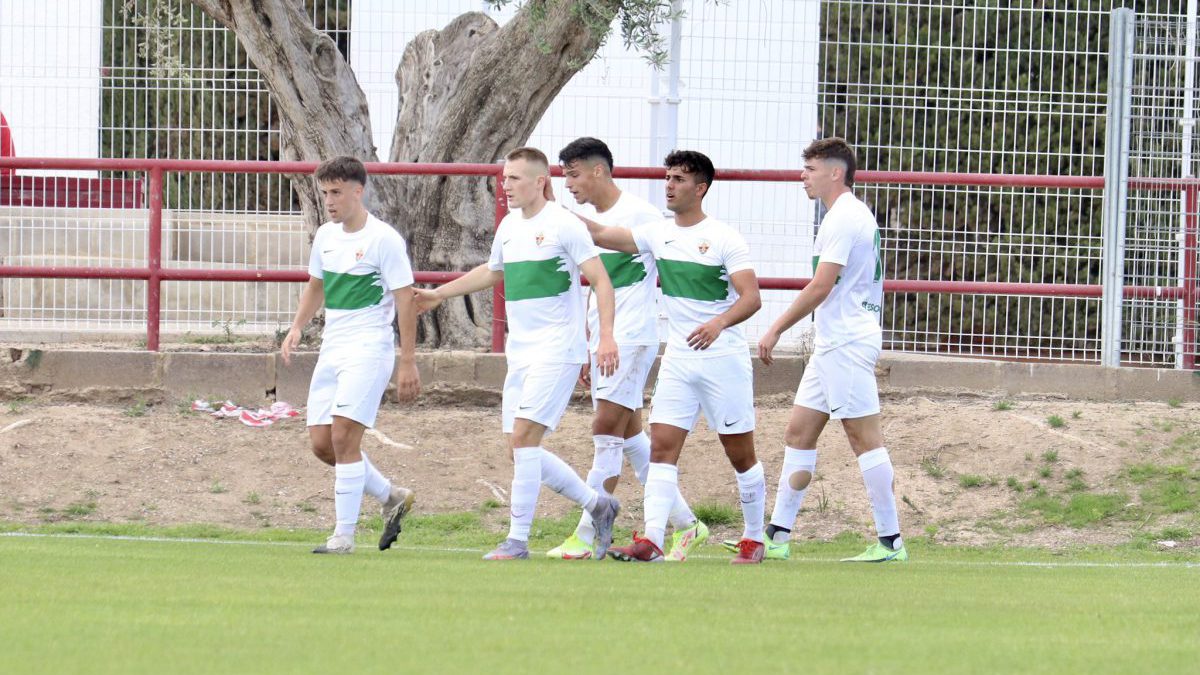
x,y
499,318
1116,183
154,260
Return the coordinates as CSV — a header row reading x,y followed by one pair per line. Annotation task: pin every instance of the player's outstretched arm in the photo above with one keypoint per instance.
x,y
745,283
611,237
408,379
805,303
607,354
476,280
310,301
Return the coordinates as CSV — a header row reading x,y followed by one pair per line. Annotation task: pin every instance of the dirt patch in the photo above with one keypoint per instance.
x,y
963,468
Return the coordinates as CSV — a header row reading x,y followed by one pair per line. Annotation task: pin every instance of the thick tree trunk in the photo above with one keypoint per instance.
x,y
468,93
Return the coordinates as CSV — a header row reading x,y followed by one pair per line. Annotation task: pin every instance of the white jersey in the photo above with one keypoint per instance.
x,y
694,264
634,277
849,236
540,258
359,270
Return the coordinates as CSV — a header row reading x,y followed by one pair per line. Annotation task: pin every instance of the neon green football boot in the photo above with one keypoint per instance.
x,y
573,548
877,553
686,541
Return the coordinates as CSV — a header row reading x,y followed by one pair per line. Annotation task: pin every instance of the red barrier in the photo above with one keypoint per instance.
x,y
155,274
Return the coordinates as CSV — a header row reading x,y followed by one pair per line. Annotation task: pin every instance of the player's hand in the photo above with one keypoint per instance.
x,y
585,376
705,334
427,300
290,342
607,356
408,382
766,345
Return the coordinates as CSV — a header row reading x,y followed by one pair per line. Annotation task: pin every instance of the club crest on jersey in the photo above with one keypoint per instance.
x,y
539,238
703,246
358,255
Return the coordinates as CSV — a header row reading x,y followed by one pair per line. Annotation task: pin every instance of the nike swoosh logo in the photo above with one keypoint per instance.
x,y
505,241
342,493
601,388
669,241
343,405
524,407
833,410
329,251
729,424
518,516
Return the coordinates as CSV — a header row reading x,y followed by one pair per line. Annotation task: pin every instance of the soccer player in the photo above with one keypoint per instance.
x,y
538,253
709,288
845,298
617,426
359,270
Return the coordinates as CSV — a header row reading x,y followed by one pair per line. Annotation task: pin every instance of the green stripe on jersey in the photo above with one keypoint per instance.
x,y
530,279
623,269
685,279
351,291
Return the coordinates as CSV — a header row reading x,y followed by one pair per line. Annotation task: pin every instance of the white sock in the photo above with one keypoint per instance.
x,y
376,484
347,496
605,464
560,477
527,481
662,484
637,451
878,475
753,489
798,469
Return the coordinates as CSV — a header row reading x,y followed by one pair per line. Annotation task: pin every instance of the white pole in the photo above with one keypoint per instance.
x,y
1187,122
1116,174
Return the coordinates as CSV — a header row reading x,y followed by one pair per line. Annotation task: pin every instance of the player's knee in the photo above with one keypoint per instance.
x,y
324,453
799,480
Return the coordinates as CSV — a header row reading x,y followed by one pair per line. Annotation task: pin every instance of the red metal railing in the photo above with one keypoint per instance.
x,y
155,274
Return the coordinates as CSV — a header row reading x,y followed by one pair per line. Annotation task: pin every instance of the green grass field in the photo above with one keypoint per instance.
x,y
259,602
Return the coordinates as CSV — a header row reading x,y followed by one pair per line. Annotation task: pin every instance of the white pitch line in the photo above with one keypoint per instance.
x,y
448,549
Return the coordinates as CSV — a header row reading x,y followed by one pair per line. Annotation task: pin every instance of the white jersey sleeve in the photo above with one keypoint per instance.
x,y
643,237
396,268
838,243
315,268
575,240
736,255
496,259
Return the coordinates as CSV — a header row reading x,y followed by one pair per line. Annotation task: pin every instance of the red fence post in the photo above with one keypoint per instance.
x,y
499,317
154,258
1191,284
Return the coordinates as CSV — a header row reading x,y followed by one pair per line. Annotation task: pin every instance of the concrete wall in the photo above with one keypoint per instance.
x,y
255,378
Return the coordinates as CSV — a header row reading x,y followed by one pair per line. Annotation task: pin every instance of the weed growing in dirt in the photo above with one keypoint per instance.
x,y
1076,414
932,468
970,480
216,488
1078,510
1174,402
14,406
1056,422
490,505
1045,472
1002,405
717,514
305,507
253,498
1050,456
138,409
80,509
1014,484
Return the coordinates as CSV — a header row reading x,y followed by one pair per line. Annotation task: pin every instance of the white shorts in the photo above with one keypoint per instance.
x,y
841,382
537,392
349,383
627,386
721,386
